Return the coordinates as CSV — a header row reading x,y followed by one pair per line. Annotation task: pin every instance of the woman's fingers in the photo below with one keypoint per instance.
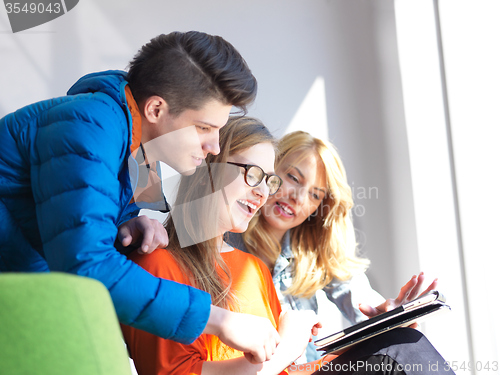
x,y
411,289
432,286
415,291
369,310
406,290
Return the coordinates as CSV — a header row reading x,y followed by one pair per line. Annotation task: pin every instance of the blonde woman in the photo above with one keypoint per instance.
x,y
305,235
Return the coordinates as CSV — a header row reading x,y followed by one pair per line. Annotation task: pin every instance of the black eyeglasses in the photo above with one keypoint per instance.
x,y
254,176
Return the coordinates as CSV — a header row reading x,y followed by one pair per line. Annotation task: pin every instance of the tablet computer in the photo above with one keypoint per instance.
x,y
414,311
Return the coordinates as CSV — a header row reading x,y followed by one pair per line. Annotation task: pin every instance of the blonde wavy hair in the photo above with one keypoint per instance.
x,y
198,221
324,245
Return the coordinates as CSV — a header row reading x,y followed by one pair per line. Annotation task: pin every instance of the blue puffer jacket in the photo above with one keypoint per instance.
x,y
64,185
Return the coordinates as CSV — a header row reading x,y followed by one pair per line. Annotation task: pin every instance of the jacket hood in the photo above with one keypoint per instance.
x,y
110,82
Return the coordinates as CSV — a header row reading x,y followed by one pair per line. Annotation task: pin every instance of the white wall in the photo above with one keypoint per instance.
x,y
472,66
339,63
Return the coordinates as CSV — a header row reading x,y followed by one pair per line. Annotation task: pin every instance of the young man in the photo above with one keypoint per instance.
x,y
68,173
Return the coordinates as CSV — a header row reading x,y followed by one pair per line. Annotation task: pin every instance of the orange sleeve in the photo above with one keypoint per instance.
x,y
154,355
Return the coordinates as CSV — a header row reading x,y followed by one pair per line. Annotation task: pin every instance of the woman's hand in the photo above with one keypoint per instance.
x,y
295,328
253,335
408,292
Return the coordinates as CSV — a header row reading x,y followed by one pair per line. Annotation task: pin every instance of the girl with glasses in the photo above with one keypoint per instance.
x,y
222,196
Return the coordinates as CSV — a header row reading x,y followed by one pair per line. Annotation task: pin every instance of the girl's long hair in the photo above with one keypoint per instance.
x,y
324,245
195,216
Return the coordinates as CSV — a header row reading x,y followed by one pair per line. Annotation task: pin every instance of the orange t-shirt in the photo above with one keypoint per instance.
x,y
253,287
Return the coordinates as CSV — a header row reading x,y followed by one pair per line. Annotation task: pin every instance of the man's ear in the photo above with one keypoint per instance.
x,y
154,107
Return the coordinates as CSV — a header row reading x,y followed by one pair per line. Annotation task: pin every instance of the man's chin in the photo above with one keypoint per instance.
x,y
188,168
188,172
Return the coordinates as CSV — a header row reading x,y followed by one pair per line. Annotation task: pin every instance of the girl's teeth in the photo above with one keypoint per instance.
x,y
246,203
286,209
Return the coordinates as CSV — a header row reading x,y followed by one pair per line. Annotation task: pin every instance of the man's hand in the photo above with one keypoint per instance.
x,y
253,335
141,230
408,292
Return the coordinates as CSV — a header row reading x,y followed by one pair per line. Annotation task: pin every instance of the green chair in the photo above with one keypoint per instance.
x,y
58,324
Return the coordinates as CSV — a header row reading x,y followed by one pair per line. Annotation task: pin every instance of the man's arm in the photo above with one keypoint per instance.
x,y
80,153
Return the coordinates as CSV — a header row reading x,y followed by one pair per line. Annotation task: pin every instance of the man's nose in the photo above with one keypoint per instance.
x,y
211,145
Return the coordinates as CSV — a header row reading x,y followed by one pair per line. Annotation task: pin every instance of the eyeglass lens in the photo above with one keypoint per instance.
x,y
255,175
